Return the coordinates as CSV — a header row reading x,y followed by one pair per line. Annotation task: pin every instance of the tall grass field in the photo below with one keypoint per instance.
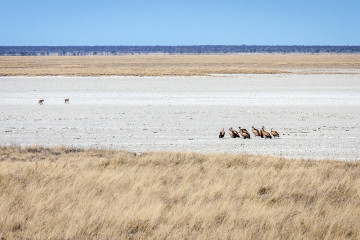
x,y
68,193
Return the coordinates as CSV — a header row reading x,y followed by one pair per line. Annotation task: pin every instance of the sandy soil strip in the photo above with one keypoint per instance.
x,y
181,65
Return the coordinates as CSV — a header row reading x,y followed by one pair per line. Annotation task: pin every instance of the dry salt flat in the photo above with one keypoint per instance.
x,y
317,115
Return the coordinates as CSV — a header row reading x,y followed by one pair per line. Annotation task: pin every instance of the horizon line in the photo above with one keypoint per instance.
x,y
195,45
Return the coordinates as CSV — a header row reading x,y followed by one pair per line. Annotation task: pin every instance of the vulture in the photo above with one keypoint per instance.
x,y
243,130
233,133
245,135
255,132
222,133
274,133
266,134
236,133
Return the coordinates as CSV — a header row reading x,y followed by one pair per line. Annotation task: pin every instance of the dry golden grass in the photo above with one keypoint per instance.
x,y
58,193
165,65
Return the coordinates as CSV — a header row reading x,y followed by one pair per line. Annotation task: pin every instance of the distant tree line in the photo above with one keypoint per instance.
x,y
197,49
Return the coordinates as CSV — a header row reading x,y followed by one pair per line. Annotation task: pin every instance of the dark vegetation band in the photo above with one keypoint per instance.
x,y
196,49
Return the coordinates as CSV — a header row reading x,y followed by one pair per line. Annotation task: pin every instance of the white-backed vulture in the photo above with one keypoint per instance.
x,y
245,135
231,133
266,134
222,133
243,130
274,133
255,132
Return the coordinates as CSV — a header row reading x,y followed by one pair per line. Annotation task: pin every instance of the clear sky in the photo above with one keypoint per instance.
x,y
181,22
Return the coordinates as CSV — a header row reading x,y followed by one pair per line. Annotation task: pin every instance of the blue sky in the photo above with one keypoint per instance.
x,y
196,22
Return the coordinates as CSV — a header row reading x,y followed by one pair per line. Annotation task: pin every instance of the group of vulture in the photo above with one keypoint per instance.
x,y
245,134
